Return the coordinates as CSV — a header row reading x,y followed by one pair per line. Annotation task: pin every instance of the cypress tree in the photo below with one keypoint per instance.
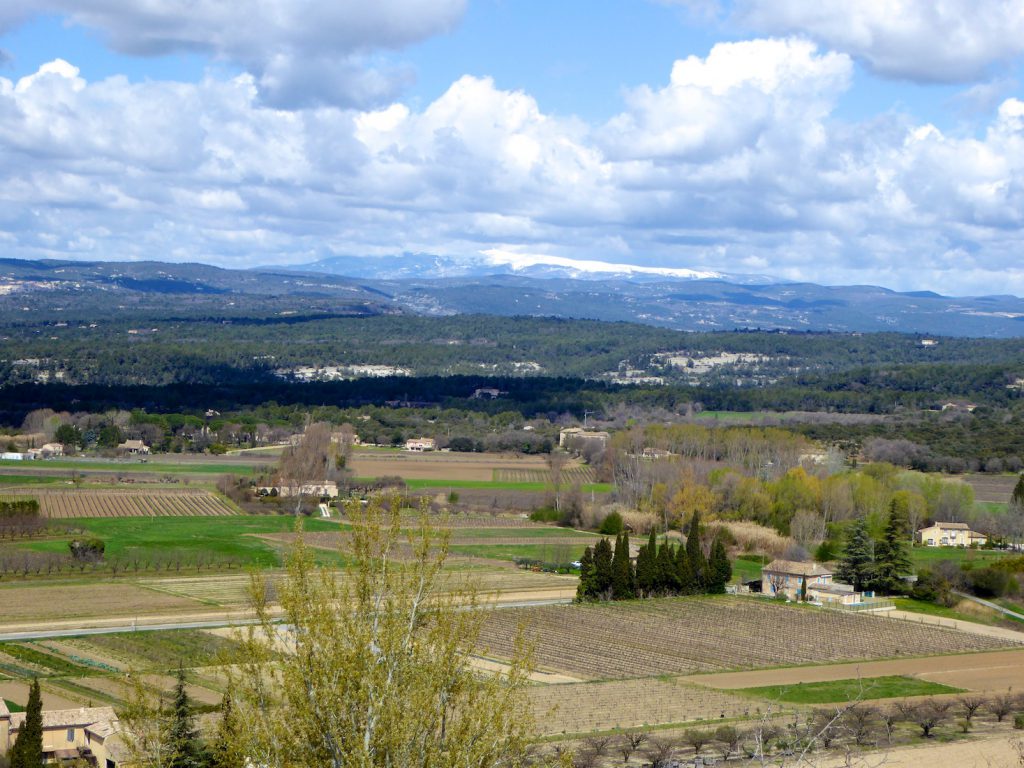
x,y
647,567
855,566
719,568
694,553
622,570
668,581
1017,497
892,560
685,578
587,589
27,751
602,569
182,736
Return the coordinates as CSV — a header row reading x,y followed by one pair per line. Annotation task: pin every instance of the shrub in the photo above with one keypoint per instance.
x,y
545,515
87,550
611,525
1018,721
988,582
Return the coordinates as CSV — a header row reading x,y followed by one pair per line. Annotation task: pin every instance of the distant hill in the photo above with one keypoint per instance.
x,y
692,300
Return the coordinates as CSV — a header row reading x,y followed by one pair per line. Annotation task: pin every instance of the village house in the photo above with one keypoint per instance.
x,y
576,435
47,451
285,489
133,447
794,580
420,444
88,733
950,535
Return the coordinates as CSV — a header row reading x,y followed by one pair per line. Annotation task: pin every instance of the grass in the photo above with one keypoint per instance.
x,y
135,465
563,551
832,691
29,479
748,567
56,665
154,537
13,706
165,650
926,556
983,616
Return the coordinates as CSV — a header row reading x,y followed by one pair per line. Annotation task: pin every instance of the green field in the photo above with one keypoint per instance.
x,y
29,479
160,467
549,553
836,691
748,567
925,556
155,537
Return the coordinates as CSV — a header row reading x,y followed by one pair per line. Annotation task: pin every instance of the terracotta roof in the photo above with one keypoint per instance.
x,y
63,718
797,569
102,729
949,526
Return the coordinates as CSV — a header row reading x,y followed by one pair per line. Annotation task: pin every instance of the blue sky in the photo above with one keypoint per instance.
x,y
826,141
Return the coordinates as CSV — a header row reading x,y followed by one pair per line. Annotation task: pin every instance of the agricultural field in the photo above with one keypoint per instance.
x,y
687,635
992,488
68,503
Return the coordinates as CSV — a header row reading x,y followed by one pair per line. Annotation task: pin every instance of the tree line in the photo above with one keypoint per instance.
x,y
660,570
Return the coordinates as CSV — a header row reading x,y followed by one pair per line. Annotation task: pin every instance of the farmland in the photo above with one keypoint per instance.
x,y
71,503
686,635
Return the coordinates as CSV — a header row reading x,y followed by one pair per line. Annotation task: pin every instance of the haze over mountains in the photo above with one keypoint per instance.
x,y
437,285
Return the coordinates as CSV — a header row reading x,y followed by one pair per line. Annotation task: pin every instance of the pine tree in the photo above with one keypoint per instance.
x,y
892,560
603,569
224,749
719,568
182,737
695,555
856,564
27,751
623,587
587,589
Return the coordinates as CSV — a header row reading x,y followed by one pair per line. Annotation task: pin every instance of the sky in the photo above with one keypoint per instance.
x,y
871,142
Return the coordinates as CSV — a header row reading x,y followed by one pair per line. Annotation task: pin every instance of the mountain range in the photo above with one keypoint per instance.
x,y
436,285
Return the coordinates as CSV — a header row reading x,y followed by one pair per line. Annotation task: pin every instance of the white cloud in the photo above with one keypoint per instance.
x,y
735,164
301,52
922,40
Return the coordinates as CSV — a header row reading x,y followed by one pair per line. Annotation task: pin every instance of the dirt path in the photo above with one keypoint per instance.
x,y
964,626
990,671
995,752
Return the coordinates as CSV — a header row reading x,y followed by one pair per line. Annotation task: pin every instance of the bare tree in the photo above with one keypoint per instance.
x,y
728,739
861,721
970,704
630,742
308,463
660,752
697,738
1002,705
556,461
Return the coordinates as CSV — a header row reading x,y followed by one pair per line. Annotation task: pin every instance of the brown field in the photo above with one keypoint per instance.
x,y
445,466
997,488
585,707
990,671
688,635
231,590
573,474
17,691
68,503
53,602
334,541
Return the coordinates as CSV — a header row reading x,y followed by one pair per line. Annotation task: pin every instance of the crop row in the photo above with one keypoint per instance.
x,y
676,636
71,503
568,476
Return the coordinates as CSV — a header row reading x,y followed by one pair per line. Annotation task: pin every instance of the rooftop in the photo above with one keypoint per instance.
x,y
798,569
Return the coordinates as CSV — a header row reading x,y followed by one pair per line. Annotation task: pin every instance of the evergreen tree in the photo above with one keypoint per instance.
x,y
892,559
695,555
623,587
856,565
668,579
1017,497
684,575
27,751
183,743
647,567
224,750
587,589
603,569
719,568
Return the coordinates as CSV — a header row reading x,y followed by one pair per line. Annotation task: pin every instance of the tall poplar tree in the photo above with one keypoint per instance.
x,y
27,751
